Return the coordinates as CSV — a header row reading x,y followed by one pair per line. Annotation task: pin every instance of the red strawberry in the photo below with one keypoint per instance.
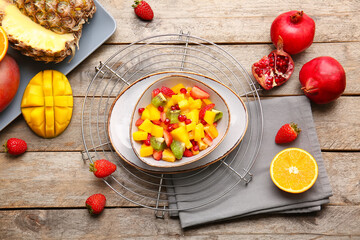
x,y
168,138
208,140
139,122
162,116
167,91
157,155
204,109
102,168
198,93
155,92
287,133
188,153
143,10
156,122
95,203
15,146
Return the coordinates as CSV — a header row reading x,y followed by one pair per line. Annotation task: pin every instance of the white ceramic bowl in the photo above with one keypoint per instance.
x,y
170,81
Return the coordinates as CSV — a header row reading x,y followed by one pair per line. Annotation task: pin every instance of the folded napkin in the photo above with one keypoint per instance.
x,y
260,195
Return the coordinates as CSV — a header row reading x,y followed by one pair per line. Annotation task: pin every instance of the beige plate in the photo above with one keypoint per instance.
x,y
120,116
170,81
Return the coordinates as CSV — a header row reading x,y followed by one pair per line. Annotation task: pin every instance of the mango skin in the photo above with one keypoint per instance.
x,y
47,103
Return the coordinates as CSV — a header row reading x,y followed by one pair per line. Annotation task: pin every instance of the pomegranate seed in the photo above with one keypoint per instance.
x,y
170,128
196,147
187,121
161,108
183,90
148,136
141,110
167,121
173,108
177,107
147,142
181,118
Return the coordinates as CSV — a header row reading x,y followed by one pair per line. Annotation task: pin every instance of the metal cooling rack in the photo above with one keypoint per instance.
x,y
170,52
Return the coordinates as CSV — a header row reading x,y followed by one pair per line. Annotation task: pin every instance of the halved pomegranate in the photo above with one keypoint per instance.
x,y
274,69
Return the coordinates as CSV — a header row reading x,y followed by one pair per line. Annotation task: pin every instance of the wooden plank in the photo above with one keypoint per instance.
x,y
346,53
244,21
332,123
64,181
117,223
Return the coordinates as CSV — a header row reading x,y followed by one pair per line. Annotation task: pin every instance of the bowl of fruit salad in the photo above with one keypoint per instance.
x,y
178,120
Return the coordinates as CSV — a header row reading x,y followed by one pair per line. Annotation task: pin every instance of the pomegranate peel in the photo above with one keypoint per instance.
x,y
274,69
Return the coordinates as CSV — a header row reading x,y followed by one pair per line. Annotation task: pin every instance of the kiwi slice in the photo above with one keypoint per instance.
x,y
218,115
158,100
173,115
177,148
157,143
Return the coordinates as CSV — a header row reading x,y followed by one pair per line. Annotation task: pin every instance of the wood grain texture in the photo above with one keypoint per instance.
x,y
346,53
133,223
64,181
243,22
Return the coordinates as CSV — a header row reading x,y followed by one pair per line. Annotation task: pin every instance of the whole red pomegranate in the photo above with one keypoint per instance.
x,y
322,79
296,29
273,69
9,81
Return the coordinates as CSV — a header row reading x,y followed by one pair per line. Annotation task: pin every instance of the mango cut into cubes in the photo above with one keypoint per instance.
x,y
180,134
140,135
47,103
146,151
176,88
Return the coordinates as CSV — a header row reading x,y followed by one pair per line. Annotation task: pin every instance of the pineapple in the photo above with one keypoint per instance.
x,y
61,17
38,40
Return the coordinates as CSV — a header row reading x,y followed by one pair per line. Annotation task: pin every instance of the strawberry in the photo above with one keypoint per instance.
x,y
208,140
156,122
168,138
95,203
287,133
143,10
188,153
102,168
155,92
15,146
204,109
157,155
139,122
198,93
162,116
167,91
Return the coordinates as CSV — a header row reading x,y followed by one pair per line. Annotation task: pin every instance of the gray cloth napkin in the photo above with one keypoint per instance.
x,y
191,190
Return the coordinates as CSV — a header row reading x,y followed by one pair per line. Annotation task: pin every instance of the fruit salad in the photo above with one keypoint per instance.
x,y
179,122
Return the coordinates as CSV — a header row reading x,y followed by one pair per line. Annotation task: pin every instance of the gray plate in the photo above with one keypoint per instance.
x,y
94,34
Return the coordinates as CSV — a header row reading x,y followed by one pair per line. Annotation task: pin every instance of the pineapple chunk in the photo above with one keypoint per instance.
x,y
168,156
140,135
199,132
146,126
176,88
157,131
211,131
180,134
146,151
209,117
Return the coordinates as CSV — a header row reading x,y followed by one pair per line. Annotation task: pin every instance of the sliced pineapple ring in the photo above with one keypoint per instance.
x,y
47,103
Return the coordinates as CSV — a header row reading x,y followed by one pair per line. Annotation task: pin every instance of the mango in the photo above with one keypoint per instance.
x,y
47,103
168,156
209,117
140,135
146,151
199,132
177,87
157,131
146,126
180,134
211,131
193,115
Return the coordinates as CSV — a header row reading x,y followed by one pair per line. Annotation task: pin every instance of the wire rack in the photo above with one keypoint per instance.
x,y
170,52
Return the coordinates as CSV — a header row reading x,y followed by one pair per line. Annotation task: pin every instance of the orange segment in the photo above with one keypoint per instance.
x,y
4,43
294,170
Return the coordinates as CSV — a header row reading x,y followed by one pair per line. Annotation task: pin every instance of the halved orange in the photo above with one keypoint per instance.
x,y
294,170
4,43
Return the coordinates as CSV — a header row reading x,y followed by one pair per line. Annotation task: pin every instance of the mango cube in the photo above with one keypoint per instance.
x,y
140,135
145,114
146,151
177,98
168,156
209,117
180,134
193,115
207,101
211,131
157,131
146,126
195,104
183,104
177,87
153,111
190,126
202,145
199,132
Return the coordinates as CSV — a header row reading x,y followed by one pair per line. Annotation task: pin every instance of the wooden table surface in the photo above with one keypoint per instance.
x,y
43,192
